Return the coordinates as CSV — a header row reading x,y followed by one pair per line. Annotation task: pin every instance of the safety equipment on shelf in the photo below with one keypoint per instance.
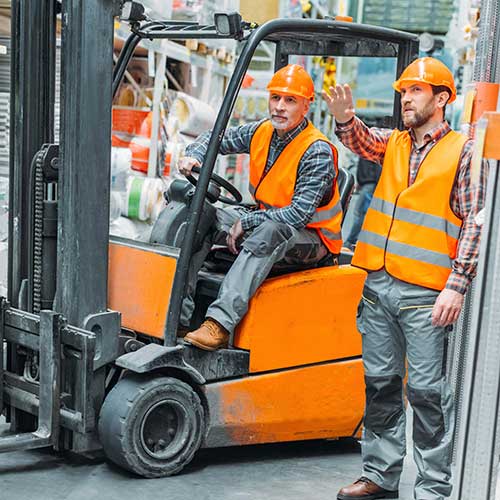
x,y
427,70
294,80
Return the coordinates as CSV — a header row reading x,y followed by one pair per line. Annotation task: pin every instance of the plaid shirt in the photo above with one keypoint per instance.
x,y
315,173
466,199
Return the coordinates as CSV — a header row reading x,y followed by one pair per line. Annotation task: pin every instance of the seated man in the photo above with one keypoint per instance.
x,y
293,169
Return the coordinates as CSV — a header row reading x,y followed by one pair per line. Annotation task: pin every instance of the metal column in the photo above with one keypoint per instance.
x,y
486,64
477,456
86,81
84,190
477,441
31,118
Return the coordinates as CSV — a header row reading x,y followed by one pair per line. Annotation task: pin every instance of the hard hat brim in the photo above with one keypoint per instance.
x,y
286,91
412,81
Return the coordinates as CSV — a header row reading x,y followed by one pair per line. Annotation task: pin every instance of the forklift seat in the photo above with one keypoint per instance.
x,y
345,182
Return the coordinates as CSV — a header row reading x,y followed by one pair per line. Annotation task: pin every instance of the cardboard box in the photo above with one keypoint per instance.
x,y
4,25
259,11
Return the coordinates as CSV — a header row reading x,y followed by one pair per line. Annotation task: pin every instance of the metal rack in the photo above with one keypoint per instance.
x,y
477,442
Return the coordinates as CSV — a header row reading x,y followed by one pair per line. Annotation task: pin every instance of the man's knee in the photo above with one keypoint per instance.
x,y
384,402
428,423
266,237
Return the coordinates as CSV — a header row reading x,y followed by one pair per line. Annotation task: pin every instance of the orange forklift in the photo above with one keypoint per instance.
x,y
90,356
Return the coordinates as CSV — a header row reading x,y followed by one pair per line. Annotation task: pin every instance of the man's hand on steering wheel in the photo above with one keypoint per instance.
x,y
185,165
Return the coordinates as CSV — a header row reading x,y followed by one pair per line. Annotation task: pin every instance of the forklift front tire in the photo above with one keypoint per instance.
x,y
151,426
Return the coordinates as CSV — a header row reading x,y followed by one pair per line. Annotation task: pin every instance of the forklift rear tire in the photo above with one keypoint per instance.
x,y
151,426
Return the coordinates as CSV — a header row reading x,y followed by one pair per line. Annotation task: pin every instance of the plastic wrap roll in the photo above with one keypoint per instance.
x,y
4,252
131,229
142,197
121,161
115,205
173,152
193,116
4,208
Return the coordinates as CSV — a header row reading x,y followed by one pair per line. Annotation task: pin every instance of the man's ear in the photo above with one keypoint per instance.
x,y
307,106
442,99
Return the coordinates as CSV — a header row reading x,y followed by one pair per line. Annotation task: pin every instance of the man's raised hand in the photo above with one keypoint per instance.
x,y
340,103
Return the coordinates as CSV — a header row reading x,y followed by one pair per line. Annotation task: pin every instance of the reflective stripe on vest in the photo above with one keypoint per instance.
x,y
405,250
414,217
411,231
323,215
283,173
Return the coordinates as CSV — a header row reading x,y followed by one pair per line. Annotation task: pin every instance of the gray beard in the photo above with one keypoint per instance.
x,y
279,125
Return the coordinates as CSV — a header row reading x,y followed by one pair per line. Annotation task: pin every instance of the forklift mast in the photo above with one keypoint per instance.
x,y
32,121
81,166
84,160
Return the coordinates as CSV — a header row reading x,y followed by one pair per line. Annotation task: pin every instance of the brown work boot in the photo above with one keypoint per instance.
x,y
364,489
210,336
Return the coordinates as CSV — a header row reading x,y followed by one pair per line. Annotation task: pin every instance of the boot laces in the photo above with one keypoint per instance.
x,y
214,329
363,479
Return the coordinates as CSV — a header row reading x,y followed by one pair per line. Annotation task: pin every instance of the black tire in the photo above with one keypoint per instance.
x,y
151,426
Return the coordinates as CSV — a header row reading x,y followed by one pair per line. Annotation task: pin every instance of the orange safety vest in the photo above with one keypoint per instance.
x,y
276,188
411,231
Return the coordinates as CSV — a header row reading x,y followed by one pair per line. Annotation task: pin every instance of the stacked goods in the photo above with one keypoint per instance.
x,y
251,105
158,9
132,130
135,199
192,116
186,9
5,17
427,15
4,221
143,199
260,11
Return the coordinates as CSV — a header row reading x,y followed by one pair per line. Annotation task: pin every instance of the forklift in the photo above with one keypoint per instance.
x,y
90,356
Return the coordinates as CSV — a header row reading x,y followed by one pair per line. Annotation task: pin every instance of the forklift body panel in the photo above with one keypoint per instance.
x,y
140,284
319,401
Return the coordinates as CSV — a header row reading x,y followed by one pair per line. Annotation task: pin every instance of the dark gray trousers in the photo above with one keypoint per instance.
x,y
266,245
395,322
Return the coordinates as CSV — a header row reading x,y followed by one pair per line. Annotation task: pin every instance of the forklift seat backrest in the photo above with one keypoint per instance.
x,y
345,182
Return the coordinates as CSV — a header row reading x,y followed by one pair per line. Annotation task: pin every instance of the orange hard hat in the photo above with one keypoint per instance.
x,y
293,80
427,70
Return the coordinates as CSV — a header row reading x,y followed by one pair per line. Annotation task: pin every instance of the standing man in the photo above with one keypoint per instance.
x,y
293,170
419,244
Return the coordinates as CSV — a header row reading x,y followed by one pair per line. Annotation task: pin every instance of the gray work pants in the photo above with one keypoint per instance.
x,y
394,319
267,244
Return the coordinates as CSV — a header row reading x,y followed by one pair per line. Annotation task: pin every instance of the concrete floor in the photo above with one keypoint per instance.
x,y
293,471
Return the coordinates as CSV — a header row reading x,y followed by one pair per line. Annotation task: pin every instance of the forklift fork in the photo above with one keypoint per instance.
x,y
47,433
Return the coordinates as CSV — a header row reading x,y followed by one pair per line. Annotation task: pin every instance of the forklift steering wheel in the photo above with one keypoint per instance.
x,y
221,182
